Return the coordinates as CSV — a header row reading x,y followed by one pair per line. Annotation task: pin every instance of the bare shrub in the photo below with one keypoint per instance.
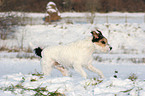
x,y
1,2
15,49
8,22
26,56
133,77
74,5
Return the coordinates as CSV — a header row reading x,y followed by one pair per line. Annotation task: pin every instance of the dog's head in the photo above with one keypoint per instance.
x,y
100,41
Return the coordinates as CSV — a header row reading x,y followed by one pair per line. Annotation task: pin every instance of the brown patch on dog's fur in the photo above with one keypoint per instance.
x,y
61,69
102,42
95,35
99,39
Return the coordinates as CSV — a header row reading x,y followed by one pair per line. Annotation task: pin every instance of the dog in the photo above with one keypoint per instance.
x,y
76,54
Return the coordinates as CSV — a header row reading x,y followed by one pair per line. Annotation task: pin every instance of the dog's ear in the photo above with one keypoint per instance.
x,y
100,33
95,35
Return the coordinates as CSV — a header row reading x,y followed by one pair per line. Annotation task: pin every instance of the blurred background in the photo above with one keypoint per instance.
x,y
74,5
121,21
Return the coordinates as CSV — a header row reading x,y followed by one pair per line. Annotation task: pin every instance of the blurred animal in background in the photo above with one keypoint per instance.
x,y
52,13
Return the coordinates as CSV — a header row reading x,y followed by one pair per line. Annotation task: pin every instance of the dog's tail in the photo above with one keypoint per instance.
x,y
38,51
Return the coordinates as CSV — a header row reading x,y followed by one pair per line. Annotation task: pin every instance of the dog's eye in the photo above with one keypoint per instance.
x,y
103,42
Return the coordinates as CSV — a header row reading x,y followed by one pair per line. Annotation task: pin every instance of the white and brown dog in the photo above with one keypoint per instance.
x,y
77,55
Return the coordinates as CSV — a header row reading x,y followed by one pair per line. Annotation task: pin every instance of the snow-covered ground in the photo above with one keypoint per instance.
x,y
81,18
14,71
126,59
124,38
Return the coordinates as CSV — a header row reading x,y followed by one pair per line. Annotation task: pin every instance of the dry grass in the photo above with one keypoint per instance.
x,y
133,77
15,49
39,91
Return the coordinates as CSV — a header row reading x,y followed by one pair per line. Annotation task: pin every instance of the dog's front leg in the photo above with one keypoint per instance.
x,y
80,70
92,68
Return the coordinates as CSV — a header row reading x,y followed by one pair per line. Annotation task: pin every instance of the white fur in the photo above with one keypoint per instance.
x,y
77,55
103,49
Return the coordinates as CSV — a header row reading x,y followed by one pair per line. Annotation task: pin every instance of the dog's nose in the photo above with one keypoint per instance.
x,y
110,48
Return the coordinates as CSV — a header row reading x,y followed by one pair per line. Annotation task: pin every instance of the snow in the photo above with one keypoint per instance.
x,y
51,10
74,86
78,14
51,7
127,58
51,3
75,14
80,18
65,33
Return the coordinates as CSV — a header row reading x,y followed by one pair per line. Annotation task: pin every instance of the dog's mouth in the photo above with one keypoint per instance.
x,y
106,49
103,49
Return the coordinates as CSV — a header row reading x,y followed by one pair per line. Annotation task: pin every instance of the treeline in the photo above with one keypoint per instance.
x,y
74,5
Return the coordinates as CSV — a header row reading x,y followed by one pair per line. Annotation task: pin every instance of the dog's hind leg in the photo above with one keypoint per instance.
x,y
93,69
80,70
46,66
61,69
